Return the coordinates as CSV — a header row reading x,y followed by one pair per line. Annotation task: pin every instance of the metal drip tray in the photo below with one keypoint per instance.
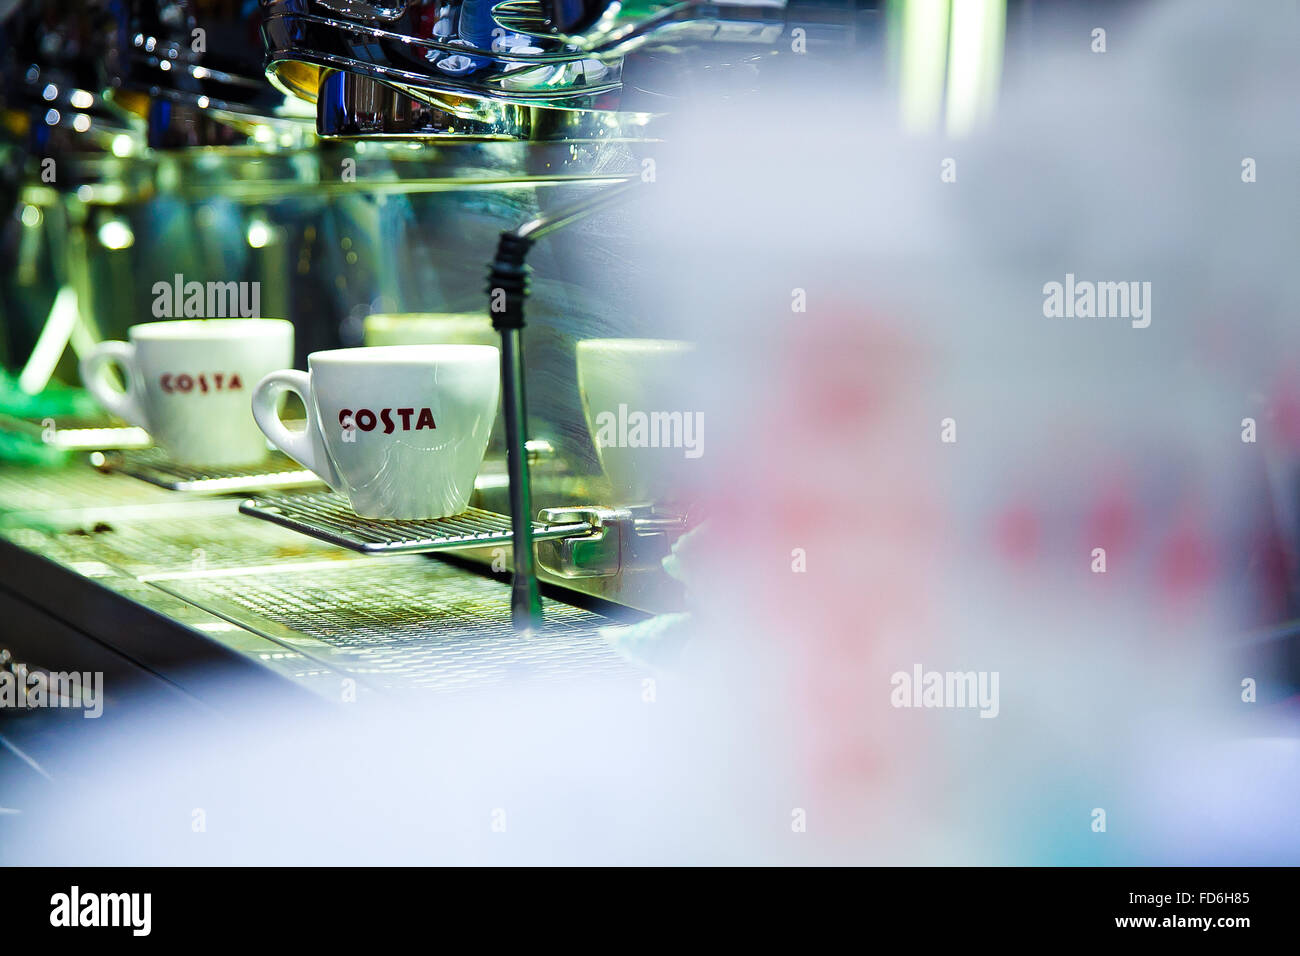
x,y
278,471
410,623
328,516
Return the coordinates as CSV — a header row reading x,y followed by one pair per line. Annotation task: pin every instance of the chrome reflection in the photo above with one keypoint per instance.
x,y
456,48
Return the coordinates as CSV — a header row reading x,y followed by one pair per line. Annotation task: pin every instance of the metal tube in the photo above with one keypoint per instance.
x,y
525,598
509,270
545,224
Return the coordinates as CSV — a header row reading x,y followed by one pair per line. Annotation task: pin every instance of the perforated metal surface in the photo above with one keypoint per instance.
x,y
172,543
328,516
34,489
278,471
78,434
411,623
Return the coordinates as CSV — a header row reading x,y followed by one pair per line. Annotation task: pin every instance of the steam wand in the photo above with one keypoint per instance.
x,y
507,289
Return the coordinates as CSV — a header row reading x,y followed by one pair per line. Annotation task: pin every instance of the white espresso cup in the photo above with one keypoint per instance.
x,y
400,430
188,382
632,395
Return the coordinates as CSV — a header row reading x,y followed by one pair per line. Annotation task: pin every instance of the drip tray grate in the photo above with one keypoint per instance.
x,y
327,515
412,624
278,471
77,433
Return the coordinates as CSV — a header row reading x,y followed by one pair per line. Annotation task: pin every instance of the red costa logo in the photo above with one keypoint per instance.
x,y
367,420
216,382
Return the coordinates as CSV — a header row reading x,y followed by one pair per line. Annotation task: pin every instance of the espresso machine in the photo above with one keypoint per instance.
x,y
598,77
381,172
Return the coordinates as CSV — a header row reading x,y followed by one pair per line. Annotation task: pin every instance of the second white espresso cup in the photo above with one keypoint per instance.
x,y
188,382
632,392
399,430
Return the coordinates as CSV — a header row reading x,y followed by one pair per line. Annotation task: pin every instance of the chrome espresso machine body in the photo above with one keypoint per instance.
x,y
545,73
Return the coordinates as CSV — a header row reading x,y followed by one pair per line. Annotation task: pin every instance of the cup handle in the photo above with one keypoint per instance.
x,y
124,404
306,446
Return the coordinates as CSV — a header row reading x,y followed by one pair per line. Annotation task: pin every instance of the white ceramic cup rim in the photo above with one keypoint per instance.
x,y
180,330
440,354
